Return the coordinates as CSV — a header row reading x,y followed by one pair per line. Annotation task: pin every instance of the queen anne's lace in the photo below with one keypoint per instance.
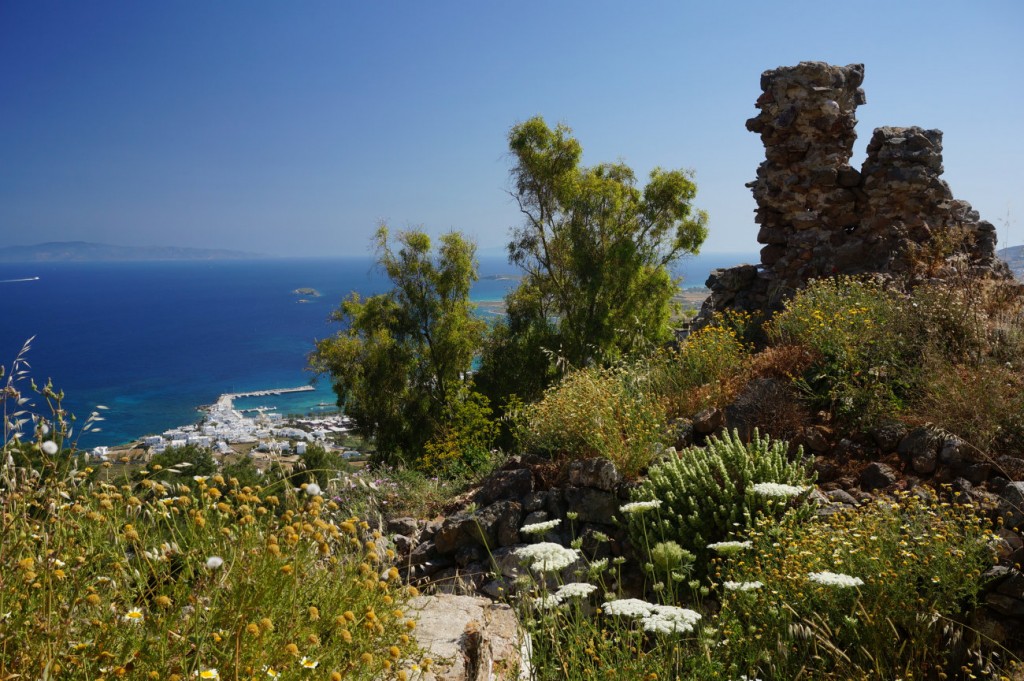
x,y
835,579
547,556
667,619
575,590
778,490
640,506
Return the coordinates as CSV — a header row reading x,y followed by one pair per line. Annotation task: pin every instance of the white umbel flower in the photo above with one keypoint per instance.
x,y
640,506
835,579
729,548
741,586
214,562
575,590
628,607
777,490
540,528
49,447
547,556
668,619
312,489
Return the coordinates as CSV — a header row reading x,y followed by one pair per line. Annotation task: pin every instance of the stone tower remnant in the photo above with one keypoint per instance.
x,y
820,217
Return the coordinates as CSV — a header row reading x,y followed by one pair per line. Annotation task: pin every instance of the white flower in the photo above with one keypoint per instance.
x,y
214,562
575,590
199,478
628,607
547,556
835,579
640,506
741,586
49,447
668,619
540,528
546,602
312,489
134,616
206,674
777,490
730,547
308,663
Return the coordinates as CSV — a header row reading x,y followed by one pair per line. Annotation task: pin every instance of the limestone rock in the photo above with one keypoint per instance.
x,y
471,639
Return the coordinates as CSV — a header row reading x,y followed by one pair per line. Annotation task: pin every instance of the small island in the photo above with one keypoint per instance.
x,y
307,292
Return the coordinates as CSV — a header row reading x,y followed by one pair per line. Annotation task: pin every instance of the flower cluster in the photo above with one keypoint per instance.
x,y
835,579
777,490
547,556
540,528
729,548
741,586
662,619
640,506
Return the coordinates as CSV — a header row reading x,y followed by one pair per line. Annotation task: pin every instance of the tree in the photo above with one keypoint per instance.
x,y
595,250
405,355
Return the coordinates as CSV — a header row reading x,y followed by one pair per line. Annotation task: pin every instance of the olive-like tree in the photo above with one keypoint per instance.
x,y
404,356
596,250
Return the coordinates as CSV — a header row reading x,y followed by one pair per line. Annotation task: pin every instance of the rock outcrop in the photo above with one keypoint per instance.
x,y
820,217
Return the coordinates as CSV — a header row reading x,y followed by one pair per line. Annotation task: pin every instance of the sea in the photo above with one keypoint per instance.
x,y
153,342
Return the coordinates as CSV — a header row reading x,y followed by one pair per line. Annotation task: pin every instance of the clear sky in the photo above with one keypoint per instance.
x,y
292,128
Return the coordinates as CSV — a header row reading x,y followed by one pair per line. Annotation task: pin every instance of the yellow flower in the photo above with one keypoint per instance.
x,y
314,613
292,649
162,601
367,658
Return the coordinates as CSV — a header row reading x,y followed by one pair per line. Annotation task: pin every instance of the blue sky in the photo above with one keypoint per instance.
x,y
293,128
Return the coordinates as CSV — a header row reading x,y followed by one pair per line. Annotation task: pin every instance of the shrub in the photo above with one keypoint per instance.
x,y
153,578
610,413
462,446
853,327
701,372
919,562
983,405
707,494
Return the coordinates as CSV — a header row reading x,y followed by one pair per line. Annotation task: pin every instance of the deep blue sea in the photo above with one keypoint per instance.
x,y
153,341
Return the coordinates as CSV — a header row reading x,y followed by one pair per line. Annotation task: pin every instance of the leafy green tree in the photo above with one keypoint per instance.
x,y
595,249
182,463
405,355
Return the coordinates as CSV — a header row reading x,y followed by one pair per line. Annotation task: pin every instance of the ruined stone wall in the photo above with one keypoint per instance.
x,y
820,217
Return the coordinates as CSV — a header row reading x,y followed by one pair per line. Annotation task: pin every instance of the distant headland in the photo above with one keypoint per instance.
x,y
85,251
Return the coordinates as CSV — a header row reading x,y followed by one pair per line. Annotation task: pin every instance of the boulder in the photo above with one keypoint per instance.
x,y
596,473
877,476
472,639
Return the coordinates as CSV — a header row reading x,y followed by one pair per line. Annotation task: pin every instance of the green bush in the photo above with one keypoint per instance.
x,y
855,328
707,494
610,413
702,372
918,563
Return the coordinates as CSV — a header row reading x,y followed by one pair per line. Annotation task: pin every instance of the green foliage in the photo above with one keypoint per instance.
x,y
920,563
317,465
462,448
702,371
404,356
854,327
706,493
598,412
595,249
182,463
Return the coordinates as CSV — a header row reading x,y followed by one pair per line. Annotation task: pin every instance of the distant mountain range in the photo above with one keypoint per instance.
x,y
1014,257
83,251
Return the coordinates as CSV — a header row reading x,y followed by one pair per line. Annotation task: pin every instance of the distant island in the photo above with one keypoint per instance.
x,y
85,251
307,292
1014,257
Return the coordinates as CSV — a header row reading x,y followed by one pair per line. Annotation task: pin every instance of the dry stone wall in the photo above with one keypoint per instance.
x,y
820,217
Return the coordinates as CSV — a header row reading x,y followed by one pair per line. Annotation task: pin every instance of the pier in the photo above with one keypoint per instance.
x,y
226,401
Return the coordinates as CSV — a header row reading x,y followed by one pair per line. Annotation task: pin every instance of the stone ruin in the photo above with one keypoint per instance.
x,y
820,217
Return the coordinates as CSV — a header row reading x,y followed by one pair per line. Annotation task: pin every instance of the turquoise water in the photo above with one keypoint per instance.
x,y
154,341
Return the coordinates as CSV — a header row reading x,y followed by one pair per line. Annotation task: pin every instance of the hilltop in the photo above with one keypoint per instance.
x,y
1014,257
86,251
